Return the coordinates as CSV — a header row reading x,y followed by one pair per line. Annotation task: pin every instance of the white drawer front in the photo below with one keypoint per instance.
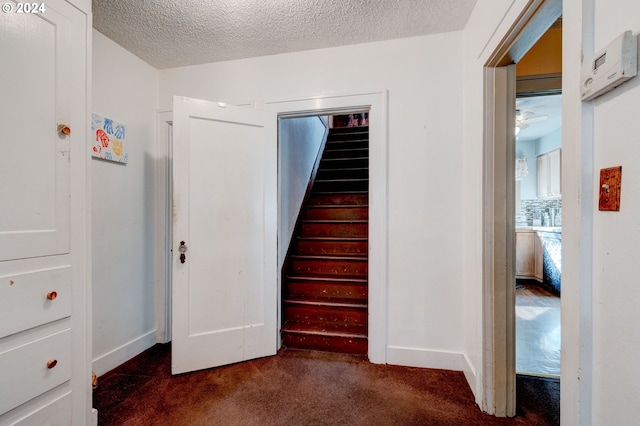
x,y
24,369
24,301
54,413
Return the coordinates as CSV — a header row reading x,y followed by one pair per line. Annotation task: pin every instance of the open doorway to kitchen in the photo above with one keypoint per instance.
x,y
538,206
503,386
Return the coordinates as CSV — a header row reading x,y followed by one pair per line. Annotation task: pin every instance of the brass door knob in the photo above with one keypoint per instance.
x,y
52,363
64,129
52,295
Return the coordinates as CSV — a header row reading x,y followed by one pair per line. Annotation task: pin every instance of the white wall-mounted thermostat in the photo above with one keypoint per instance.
x,y
610,67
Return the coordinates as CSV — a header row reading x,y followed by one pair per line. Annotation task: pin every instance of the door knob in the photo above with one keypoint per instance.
x,y
64,129
182,249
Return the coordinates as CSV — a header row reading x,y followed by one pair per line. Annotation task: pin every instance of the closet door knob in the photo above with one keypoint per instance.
x,y
52,295
52,363
64,129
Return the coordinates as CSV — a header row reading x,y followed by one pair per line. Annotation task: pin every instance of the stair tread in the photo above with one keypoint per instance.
x,y
342,193
346,159
323,257
344,169
345,149
334,279
337,206
332,239
301,329
335,221
328,302
342,180
332,257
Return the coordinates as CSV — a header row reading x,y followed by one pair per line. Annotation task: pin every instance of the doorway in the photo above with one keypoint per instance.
x,y
500,203
538,205
538,235
376,103
324,274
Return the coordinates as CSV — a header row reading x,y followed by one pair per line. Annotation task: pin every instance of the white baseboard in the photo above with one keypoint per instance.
x,y
440,360
470,375
424,358
118,356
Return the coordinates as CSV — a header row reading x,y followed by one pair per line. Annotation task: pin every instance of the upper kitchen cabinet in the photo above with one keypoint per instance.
x,y
45,355
549,174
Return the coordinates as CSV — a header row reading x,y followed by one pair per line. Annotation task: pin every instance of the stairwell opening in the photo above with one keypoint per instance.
x,y
324,283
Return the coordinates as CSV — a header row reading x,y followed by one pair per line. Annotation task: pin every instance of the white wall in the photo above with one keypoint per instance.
x,y
126,89
425,316
300,141
529,183
487,26
549,142
616,235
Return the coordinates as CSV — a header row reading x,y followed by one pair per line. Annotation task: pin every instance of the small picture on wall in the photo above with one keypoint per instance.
x,y
109,139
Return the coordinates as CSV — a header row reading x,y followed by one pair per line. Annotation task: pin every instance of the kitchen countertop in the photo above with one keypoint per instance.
x,y
557,229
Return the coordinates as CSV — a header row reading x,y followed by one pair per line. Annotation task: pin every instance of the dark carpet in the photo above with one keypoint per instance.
x,y
295,388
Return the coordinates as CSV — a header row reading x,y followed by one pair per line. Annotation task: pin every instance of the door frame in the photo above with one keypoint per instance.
x,y
375,102
499,340
163,225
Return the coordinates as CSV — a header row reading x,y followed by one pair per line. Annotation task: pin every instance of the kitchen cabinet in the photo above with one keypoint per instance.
x,y
538,262
45,358
529,263
525,253
549,169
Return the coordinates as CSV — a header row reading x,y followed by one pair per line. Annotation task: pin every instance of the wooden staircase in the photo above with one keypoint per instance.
x,y
325,286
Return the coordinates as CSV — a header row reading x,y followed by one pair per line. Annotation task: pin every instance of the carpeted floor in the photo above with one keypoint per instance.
x,y
294,388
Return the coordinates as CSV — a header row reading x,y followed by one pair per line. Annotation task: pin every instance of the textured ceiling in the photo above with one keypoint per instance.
x,y
172,33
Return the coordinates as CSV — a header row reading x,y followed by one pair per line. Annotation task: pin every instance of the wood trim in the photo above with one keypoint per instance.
x,y
376,101
538,85
499,242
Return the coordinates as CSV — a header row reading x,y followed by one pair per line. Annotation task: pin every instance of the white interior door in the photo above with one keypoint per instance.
x,y
224,295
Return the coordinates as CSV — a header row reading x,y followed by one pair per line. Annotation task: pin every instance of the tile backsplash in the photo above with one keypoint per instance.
x,y
527,207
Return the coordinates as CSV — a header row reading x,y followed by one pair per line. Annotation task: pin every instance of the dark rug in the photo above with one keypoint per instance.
x,y
292,388
540,395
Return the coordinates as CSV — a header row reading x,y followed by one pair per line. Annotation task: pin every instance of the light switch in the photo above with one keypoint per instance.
x,y
610,181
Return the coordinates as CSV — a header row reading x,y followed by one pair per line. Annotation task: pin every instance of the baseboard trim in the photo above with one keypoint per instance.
x,y
424,358
120,355
470,375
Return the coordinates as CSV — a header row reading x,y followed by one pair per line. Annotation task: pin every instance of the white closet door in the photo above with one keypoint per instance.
x,y
34,161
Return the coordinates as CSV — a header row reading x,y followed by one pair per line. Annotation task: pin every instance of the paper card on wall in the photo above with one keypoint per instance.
x,y
108,139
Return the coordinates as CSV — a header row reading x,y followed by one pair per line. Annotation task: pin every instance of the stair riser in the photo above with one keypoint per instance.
x,y
333,318
341,144
343,174
332,248
337,213
325,343
341,186
345,153
334,230
336,163
347,136
327,289
339,199
322,267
